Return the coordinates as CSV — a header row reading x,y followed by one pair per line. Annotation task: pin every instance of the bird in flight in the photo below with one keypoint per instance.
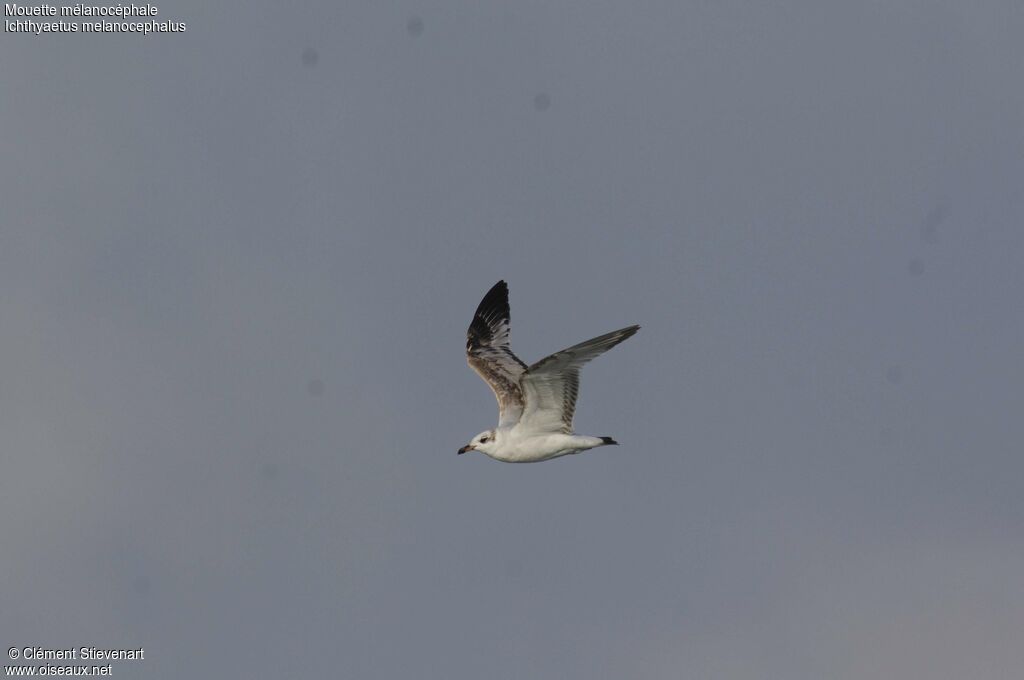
x,y
535,403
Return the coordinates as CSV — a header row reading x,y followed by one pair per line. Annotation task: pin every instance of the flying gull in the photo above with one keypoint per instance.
x,y
535,403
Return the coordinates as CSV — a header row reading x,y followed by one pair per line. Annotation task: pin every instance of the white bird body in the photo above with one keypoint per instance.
x,y
535,403
515,446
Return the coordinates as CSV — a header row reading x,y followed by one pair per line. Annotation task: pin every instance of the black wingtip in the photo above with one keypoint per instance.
x,y
494,307
496,298
498,291
608,441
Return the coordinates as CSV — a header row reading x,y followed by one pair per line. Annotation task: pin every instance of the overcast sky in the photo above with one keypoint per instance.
x,y
236,269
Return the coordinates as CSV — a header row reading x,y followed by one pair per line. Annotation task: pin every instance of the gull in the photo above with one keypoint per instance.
x,y
535,403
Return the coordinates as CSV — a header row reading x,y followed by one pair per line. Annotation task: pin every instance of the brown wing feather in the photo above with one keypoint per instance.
x,y
488,353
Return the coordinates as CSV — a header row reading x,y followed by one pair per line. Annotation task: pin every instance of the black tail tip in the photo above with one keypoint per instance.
x,y
610,441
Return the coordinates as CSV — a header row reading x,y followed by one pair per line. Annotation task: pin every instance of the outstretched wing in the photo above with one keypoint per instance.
x,y
552,384
488,354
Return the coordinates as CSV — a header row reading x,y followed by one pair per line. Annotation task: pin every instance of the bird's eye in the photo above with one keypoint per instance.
x,y
483,440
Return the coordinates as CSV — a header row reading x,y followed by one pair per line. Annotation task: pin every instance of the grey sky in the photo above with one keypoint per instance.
x,y
237,265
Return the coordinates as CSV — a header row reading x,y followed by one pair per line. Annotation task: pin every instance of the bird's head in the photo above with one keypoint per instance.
x,y
485,442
